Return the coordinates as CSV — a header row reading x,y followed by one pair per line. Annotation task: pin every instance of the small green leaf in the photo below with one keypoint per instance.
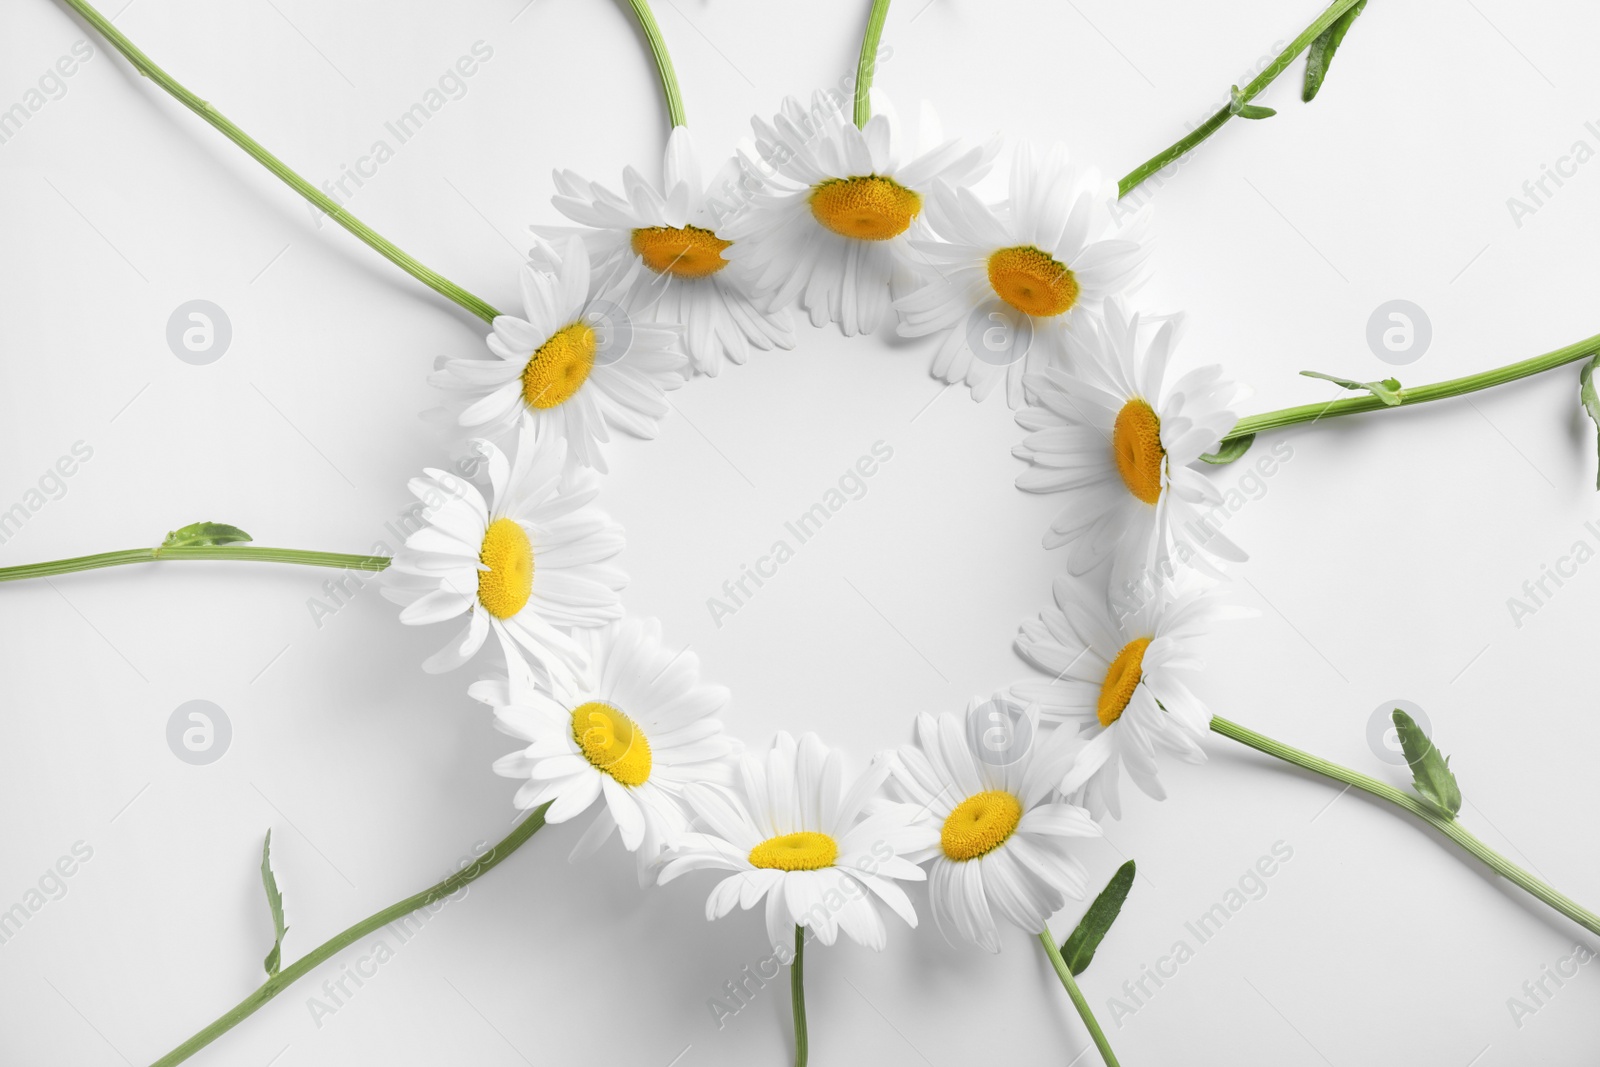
x,y
1079,948
1244,109
1430,768
204,533
1322,49
1387,390
1230,449
1591,399
274,902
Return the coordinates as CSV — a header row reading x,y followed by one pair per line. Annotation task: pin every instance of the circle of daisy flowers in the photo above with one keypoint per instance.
x,y
671,277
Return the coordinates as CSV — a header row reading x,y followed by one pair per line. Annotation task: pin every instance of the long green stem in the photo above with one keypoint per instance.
x,y
1446,825
658,49
867,65
797,996
324,203
1419,394
1218,120
325,951
255,553
1065,974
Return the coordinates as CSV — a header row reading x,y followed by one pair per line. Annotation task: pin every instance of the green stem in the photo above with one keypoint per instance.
x,y
658,49
1445,824
233,552
1218,120
325,951
1420,394
867,65
1065,974
797,996
324,203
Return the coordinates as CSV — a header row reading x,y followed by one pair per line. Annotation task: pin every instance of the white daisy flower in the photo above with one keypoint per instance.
x,y
528,565
1117,440
828,225
1003,847
1013,280
632,727
1121,680
574,367
816,847
659,247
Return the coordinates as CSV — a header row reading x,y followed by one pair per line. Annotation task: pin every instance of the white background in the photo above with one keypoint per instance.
x,y
1382,554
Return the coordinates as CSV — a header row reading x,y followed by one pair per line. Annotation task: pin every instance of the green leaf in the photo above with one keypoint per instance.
x,y
204,533
1244,109
1387,390
1079,948
1430,768
275,902
1323,48
1230,449
1591,399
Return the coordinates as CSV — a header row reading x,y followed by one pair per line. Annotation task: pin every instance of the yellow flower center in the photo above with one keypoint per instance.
x,y
686,251
1136,441
612,742
1122,677
504,588
867,208
980,824
803,851
1032,281
560,366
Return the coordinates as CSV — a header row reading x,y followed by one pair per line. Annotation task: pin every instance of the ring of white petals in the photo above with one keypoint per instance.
x,y
610,716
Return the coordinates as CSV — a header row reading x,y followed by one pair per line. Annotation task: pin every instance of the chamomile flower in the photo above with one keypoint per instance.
x,y
630,729
814,845
1002,848
1011,282
1117,440
574,367
529,564
1121,680
829,223
660,248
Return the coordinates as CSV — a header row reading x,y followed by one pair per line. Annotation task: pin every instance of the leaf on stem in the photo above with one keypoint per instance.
x,y
1230,449
1430,769
274,902
1079,948
1387,390
1238,105
204,533
1322,49
1591,399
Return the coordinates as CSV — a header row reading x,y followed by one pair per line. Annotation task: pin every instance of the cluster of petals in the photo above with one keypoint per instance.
x,y
667,278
